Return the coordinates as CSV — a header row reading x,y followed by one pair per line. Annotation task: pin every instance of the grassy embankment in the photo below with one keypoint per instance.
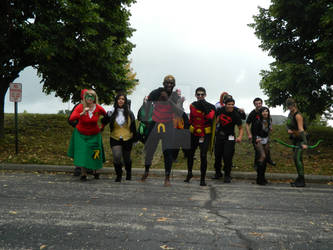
x,y
43,139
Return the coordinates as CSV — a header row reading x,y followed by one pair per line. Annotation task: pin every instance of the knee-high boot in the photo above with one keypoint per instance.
x,y
260,173
299,182
119,172
128,168
189,170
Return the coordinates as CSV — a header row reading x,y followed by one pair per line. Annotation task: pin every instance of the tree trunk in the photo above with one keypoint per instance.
x,y
4,85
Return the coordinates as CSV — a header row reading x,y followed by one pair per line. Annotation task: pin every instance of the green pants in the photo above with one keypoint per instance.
x,y
298,157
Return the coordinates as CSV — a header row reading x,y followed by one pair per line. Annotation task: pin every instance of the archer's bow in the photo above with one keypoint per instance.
x,y
293,146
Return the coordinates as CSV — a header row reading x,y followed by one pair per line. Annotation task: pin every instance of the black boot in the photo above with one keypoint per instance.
x,y
119,172
217,175
299,182
128,168
202,181
189,176
260,173
227,177
77,171
96,175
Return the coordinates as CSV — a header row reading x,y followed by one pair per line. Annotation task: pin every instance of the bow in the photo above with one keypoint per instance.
x,y
293,146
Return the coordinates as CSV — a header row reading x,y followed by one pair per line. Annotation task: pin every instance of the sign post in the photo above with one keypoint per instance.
x,y
15,95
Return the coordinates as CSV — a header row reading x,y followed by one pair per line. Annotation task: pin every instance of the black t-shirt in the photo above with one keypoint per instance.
x,y
226,121
252,118
259,129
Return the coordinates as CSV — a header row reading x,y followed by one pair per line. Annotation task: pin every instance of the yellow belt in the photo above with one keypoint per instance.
x,y
207,130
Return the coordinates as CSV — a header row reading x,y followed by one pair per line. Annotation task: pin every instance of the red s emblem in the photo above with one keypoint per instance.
x,y
225,120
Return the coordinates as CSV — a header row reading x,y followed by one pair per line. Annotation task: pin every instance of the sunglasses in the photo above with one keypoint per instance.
x,y
169,82
200,94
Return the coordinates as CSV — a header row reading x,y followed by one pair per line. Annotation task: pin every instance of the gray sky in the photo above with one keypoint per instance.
x,y
202,43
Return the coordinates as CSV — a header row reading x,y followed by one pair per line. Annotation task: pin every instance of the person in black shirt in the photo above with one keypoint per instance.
x,y
261,130
251,119
225,139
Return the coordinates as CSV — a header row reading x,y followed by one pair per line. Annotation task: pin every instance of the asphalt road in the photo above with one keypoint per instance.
x,y
58,211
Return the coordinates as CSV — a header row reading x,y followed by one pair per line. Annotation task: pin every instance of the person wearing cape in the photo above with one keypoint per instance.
x,y
202,114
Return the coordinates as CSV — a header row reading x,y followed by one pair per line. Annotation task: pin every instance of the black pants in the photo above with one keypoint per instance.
x,y
121,150
224,150
165,133
203,153
262,152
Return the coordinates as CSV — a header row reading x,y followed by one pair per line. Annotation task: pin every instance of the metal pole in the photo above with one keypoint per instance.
x,y
16,130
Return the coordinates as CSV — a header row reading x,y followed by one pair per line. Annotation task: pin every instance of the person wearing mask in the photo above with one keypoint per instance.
x,y
201,121
86,146
225,139
122,135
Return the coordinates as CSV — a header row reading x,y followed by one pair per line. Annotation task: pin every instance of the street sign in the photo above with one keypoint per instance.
x,y
15,92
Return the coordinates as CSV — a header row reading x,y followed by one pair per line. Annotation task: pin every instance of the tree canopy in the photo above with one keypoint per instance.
x,y
298,34
72,44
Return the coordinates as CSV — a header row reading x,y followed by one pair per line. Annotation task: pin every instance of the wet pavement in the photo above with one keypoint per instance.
x,y
58,211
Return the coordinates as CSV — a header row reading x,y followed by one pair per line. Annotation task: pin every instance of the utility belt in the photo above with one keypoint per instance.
x,y
206,130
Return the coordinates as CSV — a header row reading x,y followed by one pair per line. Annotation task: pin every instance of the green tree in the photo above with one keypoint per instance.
x,y
72,44
298,34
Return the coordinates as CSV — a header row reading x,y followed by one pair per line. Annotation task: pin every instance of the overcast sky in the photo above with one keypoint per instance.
x,y
202,43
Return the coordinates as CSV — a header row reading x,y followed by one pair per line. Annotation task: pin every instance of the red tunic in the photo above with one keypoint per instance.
x,y
87,125
162,112
200,123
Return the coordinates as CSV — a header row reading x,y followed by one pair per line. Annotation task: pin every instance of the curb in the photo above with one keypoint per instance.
x,y
160,172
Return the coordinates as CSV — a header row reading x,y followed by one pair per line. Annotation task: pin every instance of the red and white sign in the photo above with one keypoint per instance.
x,y
15,92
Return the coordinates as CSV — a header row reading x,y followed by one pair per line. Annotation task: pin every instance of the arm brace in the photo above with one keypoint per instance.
x,y
303,137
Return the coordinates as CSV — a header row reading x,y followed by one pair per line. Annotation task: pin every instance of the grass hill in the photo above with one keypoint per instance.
x,y
44,138
278,119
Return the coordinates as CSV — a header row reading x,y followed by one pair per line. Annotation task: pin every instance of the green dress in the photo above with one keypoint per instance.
x,y
87,150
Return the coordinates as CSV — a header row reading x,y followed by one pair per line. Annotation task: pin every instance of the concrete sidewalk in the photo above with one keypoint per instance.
x,y
160,172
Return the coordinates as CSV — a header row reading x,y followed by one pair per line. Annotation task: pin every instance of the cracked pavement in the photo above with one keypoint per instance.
x,y
58,211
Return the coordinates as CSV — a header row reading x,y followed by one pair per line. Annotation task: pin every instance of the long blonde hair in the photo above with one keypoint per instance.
x,y
91,92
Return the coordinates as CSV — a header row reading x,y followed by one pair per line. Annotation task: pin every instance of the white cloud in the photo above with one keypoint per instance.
x,y
202,43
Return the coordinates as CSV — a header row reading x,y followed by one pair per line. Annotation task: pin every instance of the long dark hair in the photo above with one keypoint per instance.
x,y
269,120
125,107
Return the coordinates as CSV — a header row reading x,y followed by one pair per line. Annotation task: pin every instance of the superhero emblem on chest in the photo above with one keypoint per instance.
x,y
225,120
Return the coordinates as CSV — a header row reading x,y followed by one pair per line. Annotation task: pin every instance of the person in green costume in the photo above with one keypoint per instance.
x,y
297,131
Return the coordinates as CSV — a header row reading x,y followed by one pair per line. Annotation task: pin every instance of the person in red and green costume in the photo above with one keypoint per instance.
x,y
86,147
296,130
202,114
